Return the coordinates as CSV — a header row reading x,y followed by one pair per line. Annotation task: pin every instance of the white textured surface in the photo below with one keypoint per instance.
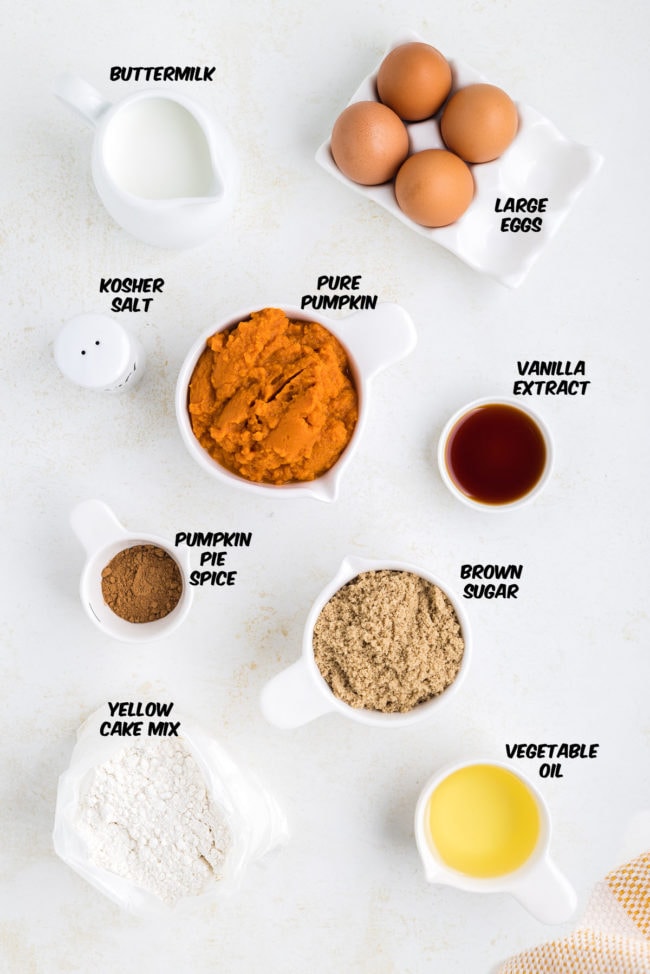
x,y
567,661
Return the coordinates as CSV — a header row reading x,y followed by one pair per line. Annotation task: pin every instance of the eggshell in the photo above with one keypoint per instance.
x,y
434,187
479,122
369,143
414,80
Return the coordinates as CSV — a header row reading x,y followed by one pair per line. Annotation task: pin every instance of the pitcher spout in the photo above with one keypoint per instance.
x,y
166,171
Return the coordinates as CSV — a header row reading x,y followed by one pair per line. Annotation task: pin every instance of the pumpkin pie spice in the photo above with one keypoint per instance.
x,y
142,583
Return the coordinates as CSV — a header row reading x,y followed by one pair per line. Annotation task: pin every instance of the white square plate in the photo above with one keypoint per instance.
x,y
540,163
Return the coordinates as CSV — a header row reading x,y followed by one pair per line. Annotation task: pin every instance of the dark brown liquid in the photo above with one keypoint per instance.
x,y
495,454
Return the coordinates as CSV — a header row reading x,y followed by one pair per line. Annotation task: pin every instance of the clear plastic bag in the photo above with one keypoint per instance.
x,y
255,821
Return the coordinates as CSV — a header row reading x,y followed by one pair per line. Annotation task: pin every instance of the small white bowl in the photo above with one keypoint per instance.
x,y
479,505
372,340
299,693
540,162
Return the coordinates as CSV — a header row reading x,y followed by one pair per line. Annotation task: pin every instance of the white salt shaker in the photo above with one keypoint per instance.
x,y
97,352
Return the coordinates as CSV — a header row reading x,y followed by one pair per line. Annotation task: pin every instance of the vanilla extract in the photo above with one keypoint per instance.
x,y
566,385
496,454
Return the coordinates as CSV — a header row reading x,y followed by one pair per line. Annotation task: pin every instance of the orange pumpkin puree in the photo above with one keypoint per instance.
x,y
272,399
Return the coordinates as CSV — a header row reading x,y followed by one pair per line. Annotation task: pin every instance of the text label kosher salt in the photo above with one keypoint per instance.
x,y
131,286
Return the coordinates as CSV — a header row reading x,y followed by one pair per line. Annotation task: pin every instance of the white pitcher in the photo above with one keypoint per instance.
x,y
164,169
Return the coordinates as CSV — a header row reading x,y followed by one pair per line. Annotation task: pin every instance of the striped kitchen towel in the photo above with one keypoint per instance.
x,y
613,938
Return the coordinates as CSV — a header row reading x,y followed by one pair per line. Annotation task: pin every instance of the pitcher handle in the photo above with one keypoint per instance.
x,y
96,526
291,698
81,96
546,893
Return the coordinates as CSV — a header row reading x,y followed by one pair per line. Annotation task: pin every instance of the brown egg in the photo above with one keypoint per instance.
x,y
434,187
369,143
479,123
414,80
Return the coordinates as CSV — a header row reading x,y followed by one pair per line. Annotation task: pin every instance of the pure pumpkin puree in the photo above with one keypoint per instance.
x,y
272,399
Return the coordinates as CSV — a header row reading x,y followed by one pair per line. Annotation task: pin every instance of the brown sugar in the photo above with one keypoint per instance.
x,y
142,583
272,399
388,641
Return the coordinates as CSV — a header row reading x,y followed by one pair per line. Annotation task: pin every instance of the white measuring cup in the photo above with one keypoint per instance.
x,y
103,537
373,340
299,693
538,884
164,169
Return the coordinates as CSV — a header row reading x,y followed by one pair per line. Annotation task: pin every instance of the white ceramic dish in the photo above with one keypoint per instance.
x,y
538,884
442,449
299,693
373,340
541,162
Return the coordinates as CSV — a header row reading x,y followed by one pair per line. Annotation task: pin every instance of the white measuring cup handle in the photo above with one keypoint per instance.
x,y
379,338
546,893
96,526
292,699
81,96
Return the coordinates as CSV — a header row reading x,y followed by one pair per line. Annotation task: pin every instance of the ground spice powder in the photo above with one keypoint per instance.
x,y
388,641
142,583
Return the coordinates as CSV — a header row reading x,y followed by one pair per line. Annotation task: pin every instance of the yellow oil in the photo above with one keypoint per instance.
x,y
483,821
